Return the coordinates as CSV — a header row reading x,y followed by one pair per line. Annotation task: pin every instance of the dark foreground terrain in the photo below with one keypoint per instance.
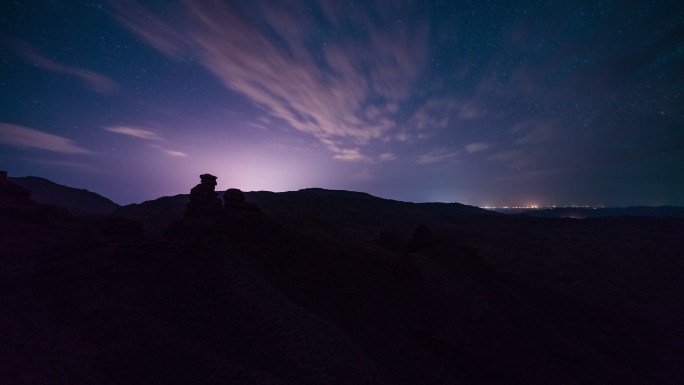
x,y
331,287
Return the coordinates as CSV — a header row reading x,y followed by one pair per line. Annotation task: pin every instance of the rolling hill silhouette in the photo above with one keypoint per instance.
x,y
310,207
77,201
326,287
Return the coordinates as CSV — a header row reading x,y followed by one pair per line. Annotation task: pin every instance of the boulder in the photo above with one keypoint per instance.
x,y
234,200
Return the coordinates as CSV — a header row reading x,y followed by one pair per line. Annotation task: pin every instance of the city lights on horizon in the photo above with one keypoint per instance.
x,y
539,207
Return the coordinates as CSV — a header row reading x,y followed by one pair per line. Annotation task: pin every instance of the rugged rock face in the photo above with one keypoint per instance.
x,y
204,200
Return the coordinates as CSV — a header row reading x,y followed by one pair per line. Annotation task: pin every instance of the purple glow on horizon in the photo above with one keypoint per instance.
x,y
422,101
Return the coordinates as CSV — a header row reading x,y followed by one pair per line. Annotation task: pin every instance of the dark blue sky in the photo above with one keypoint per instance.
x,y
479,102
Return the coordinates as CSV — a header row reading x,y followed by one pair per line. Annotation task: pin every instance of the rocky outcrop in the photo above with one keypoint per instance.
x,y
233,197
234,201
204,200
205,214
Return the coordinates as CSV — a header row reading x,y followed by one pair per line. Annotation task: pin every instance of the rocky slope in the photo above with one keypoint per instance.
x,y
307,291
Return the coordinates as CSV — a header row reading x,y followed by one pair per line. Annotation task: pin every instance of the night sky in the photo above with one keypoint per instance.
x,y
489,103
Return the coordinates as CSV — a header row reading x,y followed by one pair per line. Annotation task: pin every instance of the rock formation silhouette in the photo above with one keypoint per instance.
x,y
234,200
206,215
204,200
233,197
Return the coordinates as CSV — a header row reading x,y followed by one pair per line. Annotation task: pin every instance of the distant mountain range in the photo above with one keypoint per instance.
x,y
163,209
158,213
311,207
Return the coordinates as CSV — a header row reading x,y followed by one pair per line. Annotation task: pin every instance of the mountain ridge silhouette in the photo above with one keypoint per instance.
x,y
77,201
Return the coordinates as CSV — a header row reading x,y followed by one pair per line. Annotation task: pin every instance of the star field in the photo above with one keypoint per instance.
x,y
485,102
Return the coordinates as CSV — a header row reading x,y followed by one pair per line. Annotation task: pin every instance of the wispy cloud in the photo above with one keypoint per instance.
x,y
20,136
174,153
92,79
438,155
442,112
339,92
76,166
349,154
535,131
146,135
509,156
435,113
363,175
475,147
385,157
527,161
135,132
